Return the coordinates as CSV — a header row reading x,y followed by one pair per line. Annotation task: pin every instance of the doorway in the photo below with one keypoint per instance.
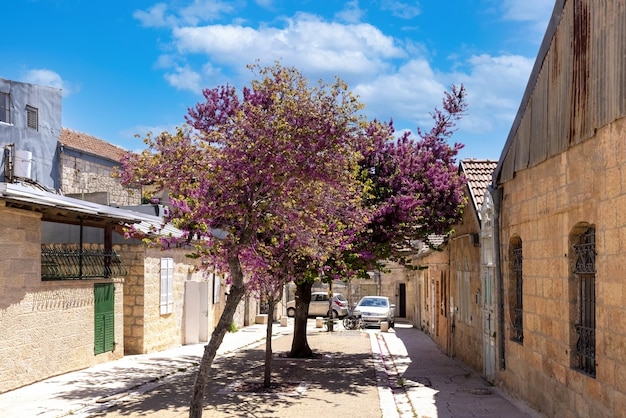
x,y
402,300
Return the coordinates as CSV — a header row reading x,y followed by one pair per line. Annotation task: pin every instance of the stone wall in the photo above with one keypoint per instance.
x,y
542,206
47,326
80,175
466,336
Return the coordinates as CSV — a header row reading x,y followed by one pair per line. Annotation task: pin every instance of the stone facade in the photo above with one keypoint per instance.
x,y
466,329
145,328
543,207
81,177
47,326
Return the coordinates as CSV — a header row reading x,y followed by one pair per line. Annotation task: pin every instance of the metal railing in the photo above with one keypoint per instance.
x,y
70,262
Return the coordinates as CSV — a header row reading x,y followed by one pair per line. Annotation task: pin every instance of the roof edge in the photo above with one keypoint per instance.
x,y
555,19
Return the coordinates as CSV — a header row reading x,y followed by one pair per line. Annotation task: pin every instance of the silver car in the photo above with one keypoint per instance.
x,y
319,305
376,309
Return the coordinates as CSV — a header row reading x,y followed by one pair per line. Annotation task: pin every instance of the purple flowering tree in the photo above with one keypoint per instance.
x,y
412,189
261,182
416,187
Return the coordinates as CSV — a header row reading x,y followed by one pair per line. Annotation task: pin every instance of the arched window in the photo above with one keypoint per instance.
x,y
583,296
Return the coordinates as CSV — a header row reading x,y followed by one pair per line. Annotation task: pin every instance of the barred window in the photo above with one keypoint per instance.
x,y
584,276
516,287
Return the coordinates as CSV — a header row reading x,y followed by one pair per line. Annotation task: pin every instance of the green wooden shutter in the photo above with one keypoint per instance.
x,y
104,309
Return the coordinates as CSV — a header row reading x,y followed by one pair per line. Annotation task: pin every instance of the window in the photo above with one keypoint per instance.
x,y
5,108
32,117
584,280
167,286
217,293
516,296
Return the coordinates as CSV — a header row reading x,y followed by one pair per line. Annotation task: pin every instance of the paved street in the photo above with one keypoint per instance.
x,y
400,373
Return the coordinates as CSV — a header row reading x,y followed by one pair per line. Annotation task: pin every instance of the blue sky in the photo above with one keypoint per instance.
x,y
130,67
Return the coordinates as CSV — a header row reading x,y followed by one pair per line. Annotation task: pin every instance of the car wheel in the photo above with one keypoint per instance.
x,y
291,312
334,314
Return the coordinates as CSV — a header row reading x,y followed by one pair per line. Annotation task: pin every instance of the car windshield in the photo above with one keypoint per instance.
x,y
340,297
373,302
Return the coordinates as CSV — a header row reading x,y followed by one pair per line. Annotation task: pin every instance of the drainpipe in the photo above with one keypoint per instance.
x,y
496,194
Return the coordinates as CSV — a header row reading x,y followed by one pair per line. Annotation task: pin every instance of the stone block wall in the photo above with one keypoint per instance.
x,y
543,206
80,175
47,326
467,336
146,330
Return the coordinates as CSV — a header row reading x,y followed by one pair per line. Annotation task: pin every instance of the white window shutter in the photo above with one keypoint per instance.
x,y
167,286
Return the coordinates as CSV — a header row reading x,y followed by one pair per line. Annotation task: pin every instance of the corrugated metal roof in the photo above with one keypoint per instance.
x,y
43,201
90,144
522,119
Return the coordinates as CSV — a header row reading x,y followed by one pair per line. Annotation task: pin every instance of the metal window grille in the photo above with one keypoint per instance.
x,y
32,118
585,270
517,327
70,262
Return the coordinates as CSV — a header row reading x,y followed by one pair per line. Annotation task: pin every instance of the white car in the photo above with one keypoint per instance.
x,y
375,309
319,305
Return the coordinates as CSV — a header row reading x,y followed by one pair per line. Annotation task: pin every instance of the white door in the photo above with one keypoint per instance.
x,y
196,312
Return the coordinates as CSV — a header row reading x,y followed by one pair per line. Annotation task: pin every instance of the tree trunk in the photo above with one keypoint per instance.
x,y
267,381
237,291
300,346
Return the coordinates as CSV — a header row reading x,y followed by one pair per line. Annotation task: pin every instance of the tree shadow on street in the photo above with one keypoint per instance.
x,y
341,376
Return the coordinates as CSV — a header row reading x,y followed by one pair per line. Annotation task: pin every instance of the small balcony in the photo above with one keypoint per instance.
x,y
71,262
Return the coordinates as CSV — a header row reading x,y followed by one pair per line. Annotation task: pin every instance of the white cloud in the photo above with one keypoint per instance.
x,y
393,79
184,78
314,46
49,78
265,3
495,86
351,12
403,10
198,11
536,13
409,94
527,10
205,11
155,16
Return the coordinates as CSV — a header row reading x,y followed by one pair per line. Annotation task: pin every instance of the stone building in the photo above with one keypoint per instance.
x,y
443,293
74,291
55,317
558,189
87,170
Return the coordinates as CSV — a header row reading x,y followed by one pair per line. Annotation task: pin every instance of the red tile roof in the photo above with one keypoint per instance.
x,y
90,144
478,173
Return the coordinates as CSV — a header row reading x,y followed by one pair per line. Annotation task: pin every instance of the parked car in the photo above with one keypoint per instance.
x,y
375,309
319,305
